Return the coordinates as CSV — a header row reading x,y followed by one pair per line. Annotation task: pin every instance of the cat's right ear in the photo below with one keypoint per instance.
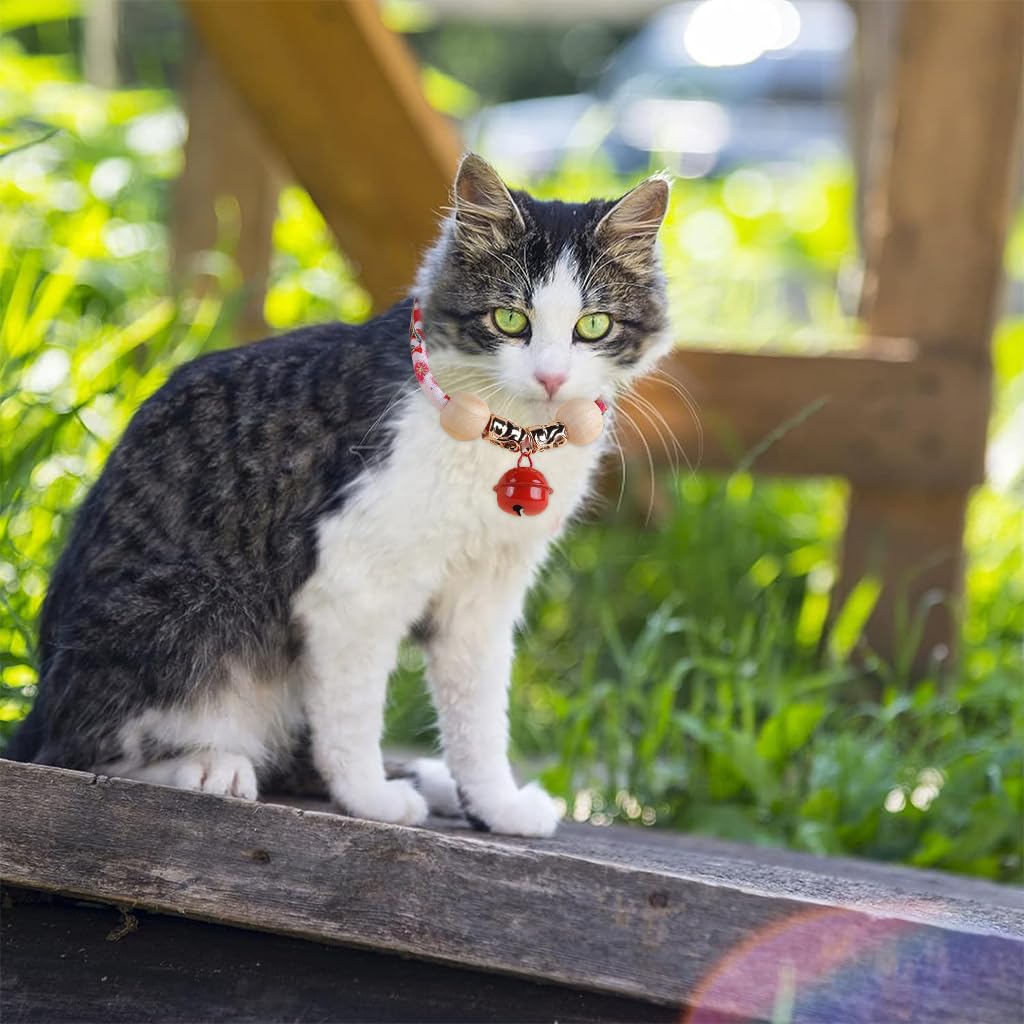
x,y
486,215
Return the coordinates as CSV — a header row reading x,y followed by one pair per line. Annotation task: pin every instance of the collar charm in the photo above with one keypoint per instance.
x,y
523,490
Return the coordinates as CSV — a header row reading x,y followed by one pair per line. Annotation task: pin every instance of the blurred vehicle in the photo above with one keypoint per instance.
x,y
703,87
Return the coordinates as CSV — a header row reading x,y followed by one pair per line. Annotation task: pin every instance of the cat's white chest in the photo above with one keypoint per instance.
x,y
457,480
430,508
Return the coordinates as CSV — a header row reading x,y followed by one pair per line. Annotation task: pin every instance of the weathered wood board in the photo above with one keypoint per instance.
x,y
117,967
658,918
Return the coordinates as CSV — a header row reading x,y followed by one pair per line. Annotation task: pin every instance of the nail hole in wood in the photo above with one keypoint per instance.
x,y
891,418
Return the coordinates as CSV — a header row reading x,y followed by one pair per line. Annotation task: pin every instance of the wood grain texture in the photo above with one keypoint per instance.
x,y
597,913
937,217
116,969
339,96
879,415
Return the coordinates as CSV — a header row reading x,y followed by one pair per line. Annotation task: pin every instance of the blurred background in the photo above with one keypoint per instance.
x,y
676,670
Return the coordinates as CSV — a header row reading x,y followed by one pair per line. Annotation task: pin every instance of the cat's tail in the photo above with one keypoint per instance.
x,y
431,777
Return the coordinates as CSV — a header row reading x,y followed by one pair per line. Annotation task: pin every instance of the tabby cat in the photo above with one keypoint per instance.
x,y
278,517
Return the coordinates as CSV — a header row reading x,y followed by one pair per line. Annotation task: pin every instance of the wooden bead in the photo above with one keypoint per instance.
x,y
583,420
465,417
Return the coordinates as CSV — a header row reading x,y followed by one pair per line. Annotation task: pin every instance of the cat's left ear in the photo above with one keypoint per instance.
x,y
631,226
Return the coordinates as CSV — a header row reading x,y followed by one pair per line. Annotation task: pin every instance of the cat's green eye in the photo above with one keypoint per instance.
x,y
510,321
593,326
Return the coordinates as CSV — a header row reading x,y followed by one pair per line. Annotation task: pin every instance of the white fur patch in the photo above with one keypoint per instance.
x,y
423,531
557,305
254,719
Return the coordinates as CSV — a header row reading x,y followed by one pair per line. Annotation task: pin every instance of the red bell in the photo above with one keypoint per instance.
x,y
523,491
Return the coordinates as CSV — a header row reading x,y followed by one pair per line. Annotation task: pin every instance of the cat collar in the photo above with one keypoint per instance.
x,y
523,490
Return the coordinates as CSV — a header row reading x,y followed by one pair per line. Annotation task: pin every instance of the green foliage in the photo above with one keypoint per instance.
x,y
86,331
680,675
675,673
674,669
749,258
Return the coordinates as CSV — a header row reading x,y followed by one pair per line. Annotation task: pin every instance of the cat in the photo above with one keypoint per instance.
x,y
278,517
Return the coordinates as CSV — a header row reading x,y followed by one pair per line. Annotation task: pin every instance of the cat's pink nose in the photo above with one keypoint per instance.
x,y
551,381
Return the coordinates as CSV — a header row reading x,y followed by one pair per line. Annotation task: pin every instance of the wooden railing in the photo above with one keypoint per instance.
x,y
338,96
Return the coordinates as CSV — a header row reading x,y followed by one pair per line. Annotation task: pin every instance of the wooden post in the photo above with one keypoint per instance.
x,y
226,159
340,97
936,227
102,25
878,26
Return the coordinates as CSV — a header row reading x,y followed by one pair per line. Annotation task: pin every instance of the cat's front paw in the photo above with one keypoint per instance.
x,y
524,812
396,802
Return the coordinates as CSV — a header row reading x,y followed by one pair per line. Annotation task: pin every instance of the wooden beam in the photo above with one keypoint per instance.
x,y
623,911
339,96
937,222
877,415
226,161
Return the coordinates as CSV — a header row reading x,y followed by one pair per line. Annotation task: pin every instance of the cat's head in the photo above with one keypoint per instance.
x,y
532,303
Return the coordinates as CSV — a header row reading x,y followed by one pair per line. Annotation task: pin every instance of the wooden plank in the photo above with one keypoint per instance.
x,y
229,186
120,968
875,415
340,98
661,921
937,221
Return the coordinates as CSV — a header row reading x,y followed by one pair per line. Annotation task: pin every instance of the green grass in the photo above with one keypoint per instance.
x,y
674,673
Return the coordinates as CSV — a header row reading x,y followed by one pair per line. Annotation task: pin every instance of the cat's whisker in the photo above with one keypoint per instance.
x,y
523,280
617,445
521,264
662,377
650,460
394,400
670,454
504,399
653,415
467,382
